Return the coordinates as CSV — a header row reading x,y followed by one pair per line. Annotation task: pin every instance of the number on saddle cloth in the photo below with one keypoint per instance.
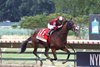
x,y
42,34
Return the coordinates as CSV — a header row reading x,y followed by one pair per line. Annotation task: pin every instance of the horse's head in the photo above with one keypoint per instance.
x,y
72,26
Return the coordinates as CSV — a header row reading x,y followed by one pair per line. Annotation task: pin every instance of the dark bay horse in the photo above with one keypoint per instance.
x,y
57,41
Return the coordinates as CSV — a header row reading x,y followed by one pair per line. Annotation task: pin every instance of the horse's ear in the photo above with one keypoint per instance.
x,y
71,19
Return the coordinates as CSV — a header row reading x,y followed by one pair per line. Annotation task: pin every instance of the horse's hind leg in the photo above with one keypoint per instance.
x,y
66,50
35,45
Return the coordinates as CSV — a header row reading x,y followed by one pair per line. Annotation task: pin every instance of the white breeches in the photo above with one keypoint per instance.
x,y
50,26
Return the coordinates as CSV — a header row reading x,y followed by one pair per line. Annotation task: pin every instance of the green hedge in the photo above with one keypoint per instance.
x,y
40,21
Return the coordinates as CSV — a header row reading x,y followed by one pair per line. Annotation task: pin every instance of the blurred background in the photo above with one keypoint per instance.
x,y
22,17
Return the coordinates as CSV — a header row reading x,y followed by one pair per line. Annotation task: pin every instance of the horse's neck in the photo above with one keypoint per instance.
x,y
64,32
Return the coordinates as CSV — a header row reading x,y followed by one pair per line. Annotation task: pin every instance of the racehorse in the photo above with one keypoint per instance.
x,y
57,40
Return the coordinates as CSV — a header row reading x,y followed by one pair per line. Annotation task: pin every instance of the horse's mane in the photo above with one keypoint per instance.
x,y
64,22
62,25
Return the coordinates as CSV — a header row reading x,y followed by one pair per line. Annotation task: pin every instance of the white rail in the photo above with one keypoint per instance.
x,y
68,41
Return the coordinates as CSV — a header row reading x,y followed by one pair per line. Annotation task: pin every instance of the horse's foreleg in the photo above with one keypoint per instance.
x,y
46,54
66,50
54,54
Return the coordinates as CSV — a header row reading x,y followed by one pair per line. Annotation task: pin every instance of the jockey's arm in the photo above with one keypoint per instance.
x,y
56,27
59,26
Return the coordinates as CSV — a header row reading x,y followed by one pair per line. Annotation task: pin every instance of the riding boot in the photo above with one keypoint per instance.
x,y
50,32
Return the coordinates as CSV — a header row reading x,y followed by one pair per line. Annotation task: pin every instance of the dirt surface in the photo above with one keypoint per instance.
x,y
45,64
29,65
24,65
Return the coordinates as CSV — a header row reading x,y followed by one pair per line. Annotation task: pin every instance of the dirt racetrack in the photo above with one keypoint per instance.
x,y
45,64
29,65
19,65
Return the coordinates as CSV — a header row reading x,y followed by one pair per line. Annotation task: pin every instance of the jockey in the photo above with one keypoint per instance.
x,y
55,24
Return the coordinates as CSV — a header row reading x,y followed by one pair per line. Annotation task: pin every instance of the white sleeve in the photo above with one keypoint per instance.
x,y
50,26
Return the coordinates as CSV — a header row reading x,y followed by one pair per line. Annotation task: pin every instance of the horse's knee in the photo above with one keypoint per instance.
x,y
34,52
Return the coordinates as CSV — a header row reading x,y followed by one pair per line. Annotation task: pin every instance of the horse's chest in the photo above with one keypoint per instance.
x,y
57,42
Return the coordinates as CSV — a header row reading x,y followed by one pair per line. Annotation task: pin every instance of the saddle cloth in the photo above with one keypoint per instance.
x,y
42,35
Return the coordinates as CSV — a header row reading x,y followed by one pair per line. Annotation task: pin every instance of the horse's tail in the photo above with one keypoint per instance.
x,y
24,45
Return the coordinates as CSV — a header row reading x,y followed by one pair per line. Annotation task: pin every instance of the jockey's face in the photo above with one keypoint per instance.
x,y
60,22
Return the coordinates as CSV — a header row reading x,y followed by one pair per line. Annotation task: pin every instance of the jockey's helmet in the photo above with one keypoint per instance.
x,y
60,18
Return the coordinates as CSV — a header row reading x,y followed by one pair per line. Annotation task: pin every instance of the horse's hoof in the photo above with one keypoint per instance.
x,y
53,59
41,64
64,62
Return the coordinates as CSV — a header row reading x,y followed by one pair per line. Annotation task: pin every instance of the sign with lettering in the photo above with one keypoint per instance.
x,y
94,27
88,59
